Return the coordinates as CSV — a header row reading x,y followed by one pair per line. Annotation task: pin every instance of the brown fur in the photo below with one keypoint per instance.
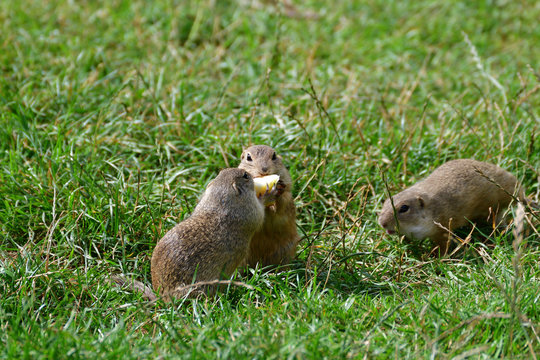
x,y
456,193
275,243
212,242
134,285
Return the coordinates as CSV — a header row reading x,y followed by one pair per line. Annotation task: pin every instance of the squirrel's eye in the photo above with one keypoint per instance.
x,y
248,157
403,208
274,156
246,175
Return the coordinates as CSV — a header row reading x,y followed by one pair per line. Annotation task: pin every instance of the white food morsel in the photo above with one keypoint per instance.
x,y
265,184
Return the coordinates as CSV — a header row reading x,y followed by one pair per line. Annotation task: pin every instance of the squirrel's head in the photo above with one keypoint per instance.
x,y
262,160
231,195
233,182
406,214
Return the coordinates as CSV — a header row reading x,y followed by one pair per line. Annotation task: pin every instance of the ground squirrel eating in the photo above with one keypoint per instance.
x,y
455,194
275,243
214,240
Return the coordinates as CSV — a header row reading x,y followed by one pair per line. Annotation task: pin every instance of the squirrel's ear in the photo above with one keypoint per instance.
x,y
421,202
237,189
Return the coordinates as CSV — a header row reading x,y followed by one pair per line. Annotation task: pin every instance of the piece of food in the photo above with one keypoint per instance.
x,y
265,184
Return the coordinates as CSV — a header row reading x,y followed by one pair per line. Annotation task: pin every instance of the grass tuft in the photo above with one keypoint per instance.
x,y
115,116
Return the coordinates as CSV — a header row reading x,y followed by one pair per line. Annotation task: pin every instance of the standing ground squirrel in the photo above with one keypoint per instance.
x,y
455,194
214,240
275,243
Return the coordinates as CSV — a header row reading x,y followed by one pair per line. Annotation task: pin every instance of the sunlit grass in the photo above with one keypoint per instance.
x,y
115,115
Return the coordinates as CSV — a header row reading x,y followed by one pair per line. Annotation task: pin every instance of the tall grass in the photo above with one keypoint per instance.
x,y
116,114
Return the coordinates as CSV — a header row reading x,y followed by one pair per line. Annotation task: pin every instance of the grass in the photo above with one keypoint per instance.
x,y
116,114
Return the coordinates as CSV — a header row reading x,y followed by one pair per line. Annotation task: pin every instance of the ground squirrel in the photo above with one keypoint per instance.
x,y
275,243
214,240
455,194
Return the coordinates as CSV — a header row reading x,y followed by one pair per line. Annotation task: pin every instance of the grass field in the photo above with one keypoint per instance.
x,y
116,114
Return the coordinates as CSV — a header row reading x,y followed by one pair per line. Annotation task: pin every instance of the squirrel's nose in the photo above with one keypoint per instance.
x,y
264,168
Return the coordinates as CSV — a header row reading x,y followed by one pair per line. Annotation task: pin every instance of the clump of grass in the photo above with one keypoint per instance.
x,y
116,115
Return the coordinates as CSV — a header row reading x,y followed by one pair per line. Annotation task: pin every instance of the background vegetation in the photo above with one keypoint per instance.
x,y
116,114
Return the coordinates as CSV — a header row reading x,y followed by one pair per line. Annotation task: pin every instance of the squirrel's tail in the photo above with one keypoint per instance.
x,y
134,285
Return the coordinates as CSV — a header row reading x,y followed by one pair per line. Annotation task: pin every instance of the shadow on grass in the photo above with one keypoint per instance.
x,y
337,278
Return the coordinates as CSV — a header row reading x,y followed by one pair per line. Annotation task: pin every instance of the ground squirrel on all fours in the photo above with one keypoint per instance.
x,y
455,194
275,243
212,242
